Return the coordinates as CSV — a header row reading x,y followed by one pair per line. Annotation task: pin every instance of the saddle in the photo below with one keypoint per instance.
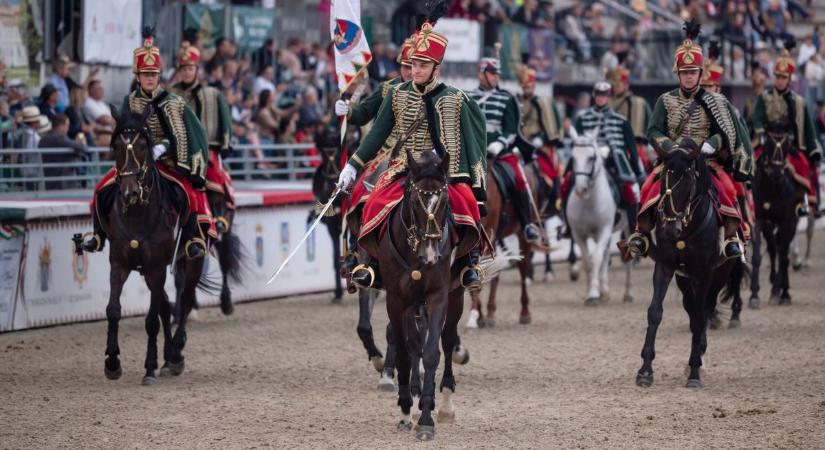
x,y
505,179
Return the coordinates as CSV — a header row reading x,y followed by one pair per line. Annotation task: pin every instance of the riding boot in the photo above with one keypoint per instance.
x,y
195,246
367,275
351,258
97,240
802,208
531,231
471,271
731,245
631,210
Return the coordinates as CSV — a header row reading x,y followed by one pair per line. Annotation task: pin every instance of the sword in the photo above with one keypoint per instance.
x,y
332,198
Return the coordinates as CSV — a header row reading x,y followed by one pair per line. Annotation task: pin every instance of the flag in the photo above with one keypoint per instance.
x,y
352,52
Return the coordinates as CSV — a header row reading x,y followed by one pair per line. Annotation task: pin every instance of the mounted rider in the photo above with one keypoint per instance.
x,y
209,104
360,115
633,107
179,147
615,131
542,125
425,115
502,116
783,112
690,117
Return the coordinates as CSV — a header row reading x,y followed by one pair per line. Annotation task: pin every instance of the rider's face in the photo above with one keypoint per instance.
x,y
488,80
529,89
148,81
422,71
188,73
782,82
688,79
406,72
601,99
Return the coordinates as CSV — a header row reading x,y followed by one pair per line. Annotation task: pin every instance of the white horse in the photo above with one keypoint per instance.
x,y
591,213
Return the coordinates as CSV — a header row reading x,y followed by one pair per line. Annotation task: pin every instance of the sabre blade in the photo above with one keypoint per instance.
x,y
309,231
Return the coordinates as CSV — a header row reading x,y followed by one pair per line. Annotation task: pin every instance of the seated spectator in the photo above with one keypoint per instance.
x,y
48,100
100,113
27,137
58,137
16,97
62,82
311,110
80,125
573,30
532,15
264,81
268,117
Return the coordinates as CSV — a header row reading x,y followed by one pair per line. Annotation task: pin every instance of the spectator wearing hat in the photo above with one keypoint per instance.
x,y
58,137
27,137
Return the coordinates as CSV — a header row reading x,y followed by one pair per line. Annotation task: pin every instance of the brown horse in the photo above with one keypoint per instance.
x,y
141,228
498,224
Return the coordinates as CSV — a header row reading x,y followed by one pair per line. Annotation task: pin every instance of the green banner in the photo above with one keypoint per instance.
x,y
514,42
207,19
251,27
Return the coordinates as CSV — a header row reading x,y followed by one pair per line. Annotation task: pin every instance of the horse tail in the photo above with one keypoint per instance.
x,y
741,272
209,285
231,254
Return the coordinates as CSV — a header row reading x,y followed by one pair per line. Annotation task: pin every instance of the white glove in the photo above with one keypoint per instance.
x,y
347,177
708,149
495,148
636,193
537,142
341,108
157,151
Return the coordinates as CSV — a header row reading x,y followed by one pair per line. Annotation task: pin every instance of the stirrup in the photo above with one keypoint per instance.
x,y
369,270
727,242
535,230
92,243
190,243
473,285
221,221
638,244
801,210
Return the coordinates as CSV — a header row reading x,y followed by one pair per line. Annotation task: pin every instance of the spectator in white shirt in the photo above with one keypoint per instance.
x,y
264,81
99,111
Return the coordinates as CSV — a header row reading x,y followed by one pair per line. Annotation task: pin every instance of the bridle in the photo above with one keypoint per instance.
x,y
777,153
144,187
432,230
683,216
591,174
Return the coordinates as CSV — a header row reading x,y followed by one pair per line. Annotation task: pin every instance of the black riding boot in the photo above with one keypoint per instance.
x,y
97,240
631,210
471,272
194,245
351,258
367,275
531,231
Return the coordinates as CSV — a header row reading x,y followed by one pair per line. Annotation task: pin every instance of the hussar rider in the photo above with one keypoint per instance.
x,y
211,108
690,117
179,149
431,116
634,108
502,117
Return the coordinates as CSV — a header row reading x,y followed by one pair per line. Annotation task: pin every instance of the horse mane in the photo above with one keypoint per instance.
x,y
430,166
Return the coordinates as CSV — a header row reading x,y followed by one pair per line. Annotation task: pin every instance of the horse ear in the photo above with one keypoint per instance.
x,y
115,113
411,164
659,152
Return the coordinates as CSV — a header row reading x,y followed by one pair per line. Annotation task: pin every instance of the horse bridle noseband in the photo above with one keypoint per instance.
x,y
142,167
592,173
685,215
432,230
777,153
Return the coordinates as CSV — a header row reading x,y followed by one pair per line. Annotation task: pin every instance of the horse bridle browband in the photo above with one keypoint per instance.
x,y
432,230
777,154
142,167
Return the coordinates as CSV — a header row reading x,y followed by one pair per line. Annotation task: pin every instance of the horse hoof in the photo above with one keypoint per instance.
x,y
592,301
472,320
446,417
377,362
735,323
424,432
574,276
113,374
644,379
337,300
404,426
695,384
715,323
528,281
604,297
525,319
227,308
785,301
489,323
461,357
386,384
753,303
549,277
149,381
797,267
627,298
164,370
176,369
193,316
774,300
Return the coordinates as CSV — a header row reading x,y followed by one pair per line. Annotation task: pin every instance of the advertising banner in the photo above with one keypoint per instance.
x,y
207,19
111,31
464,37
251,27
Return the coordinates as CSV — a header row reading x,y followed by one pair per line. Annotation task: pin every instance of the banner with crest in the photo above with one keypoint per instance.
x,y
352,52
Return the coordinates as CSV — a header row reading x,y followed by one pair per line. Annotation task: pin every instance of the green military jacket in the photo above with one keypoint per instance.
x,y
636,110
614,130
452,125
176,127
367,109
501,115
211,108
786,112
713,120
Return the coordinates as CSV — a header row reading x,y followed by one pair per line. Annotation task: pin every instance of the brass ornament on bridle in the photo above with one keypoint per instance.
x,y
142,168
682,216
432,230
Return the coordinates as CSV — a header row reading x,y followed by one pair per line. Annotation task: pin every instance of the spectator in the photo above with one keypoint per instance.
x,y
291,61
264,81
267,117
244,128
381,66
58,137
16,97
614,55
573,30
80,125
62,82
27,137
48,100
737,64
264,56
100,112
531,15
311,111
225,50
466,9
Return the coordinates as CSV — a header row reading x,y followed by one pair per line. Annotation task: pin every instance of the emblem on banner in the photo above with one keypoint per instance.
x,y
310,244
284,239
45,273
80,267
347,35
259,245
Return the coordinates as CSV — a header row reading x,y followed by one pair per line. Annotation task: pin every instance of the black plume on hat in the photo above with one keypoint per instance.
x,y
692,29
148,32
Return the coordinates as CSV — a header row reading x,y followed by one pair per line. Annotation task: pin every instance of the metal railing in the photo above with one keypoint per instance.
x,y
43,169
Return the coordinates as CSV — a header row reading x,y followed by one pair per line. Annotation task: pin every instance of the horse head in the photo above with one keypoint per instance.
x,y
132,148
588,159
328,143
772,160
427,204
685,178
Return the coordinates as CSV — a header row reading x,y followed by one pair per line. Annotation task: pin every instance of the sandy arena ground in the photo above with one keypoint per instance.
x,y
291,373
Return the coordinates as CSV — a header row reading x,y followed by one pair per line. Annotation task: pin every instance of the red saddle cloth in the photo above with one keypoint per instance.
x,y
725,189
388,193
196,200
218,179
801,171
548,163
514,161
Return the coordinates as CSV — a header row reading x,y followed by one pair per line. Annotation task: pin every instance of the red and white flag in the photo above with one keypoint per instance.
x,y
352,52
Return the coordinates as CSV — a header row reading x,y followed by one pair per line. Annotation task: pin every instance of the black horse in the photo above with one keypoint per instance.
x,y
228,247
146,210
687,245
777,199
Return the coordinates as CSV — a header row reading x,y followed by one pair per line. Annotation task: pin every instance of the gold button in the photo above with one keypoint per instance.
x,y
134,244
680,245
766,205
416,275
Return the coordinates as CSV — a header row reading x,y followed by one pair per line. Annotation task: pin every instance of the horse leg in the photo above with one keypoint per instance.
x,y
756,261
366,301
736,304
549,275
571,258
694,303
155,281
436,316
661,279
475,317
386,382
335,234
524,268
490,321
795,254
117,276
809,233
784,238
165,311
405,402
529,271
591,263
770,238
190,272
603,249
449,342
